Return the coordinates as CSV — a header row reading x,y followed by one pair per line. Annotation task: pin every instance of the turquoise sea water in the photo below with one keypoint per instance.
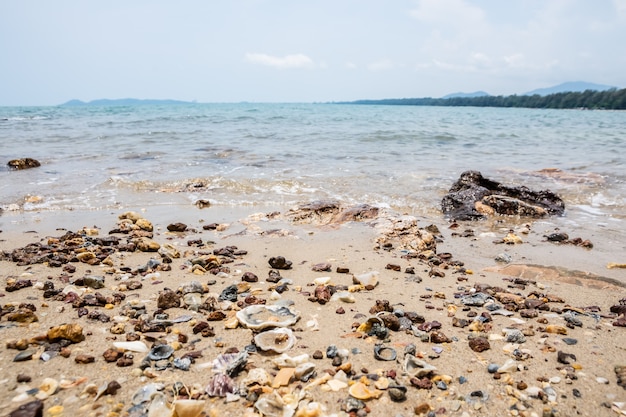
x,y
263,155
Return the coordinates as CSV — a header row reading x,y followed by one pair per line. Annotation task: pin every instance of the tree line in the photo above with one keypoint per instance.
x,y
612,99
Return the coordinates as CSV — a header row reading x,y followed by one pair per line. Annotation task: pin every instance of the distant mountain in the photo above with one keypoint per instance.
x,y
572,86
122,102
466,95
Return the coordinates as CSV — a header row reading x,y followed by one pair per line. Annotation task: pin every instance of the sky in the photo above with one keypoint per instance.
x,y
303,51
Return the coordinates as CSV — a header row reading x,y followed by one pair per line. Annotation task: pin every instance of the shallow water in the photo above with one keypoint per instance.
x,y
264,155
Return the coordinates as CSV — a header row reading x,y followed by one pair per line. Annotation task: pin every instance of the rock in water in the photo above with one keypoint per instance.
x,y
23,163
473,196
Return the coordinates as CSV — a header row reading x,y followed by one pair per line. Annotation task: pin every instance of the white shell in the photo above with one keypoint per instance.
x,y
278,340
417,367
366,279
286,361
260,316
136,346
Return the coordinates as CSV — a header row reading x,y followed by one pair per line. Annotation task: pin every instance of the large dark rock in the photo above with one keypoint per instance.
x,y
23,163
473,196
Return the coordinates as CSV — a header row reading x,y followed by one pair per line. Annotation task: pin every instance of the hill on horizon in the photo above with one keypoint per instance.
x,y
567,87
467,95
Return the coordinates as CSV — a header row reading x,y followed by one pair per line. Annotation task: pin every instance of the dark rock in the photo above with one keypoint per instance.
x,y
249,277
23,163
31,409
342,270
177,227
564,358
279,262
322,267
472,196
21,378
168,299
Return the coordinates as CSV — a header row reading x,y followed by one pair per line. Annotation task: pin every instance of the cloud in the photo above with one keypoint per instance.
x,y
294,61
447,11
382,65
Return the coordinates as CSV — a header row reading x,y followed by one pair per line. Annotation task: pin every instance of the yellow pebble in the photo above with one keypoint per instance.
x,y
55,410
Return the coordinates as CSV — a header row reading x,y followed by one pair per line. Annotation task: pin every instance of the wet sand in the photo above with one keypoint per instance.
x,y
573,279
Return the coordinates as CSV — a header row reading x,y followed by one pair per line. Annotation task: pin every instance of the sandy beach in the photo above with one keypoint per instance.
x,y
417,340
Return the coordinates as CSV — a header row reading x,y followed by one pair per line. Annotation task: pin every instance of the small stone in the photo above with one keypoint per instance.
x,y
340,310
124,361
564,358
318,355
322,267
177,227
397,393
479,344
25,355
72,332
112,388
22,378
31,409
84,359
393,267
112,355
168,299
249,277
342,270
279,262
422,409
492,368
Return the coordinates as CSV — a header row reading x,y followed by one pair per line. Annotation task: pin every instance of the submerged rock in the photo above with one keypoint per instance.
x,y
23,163
473,197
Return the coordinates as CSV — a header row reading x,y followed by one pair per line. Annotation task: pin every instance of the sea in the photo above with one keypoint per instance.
x,y
263,156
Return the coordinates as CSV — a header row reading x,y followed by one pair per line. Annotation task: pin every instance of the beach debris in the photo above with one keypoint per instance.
x,y
474,197
23,163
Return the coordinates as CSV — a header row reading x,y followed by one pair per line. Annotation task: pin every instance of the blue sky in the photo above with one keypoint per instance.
x,y
303,51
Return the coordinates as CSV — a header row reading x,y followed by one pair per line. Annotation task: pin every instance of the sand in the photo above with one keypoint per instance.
x,y
577,275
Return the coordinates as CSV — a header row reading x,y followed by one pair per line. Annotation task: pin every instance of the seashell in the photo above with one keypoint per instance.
x,y
257,376
345,296
278,340
159,407
220,385
160,352
230,363
286,361
384,353
283,377
305,371
336,384
417,367
311,409
145,393
136,346
48,387
509,366
188,408
321,281
368,279
260,316
273,405
360,391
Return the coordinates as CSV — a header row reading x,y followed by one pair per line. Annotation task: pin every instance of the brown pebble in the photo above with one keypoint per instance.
x,y
21,378
479,344
112,388
124,361
340,310
522,385
422,408
249,277
393,267
336,361
318,354
65,352
342,270
82,358
112,355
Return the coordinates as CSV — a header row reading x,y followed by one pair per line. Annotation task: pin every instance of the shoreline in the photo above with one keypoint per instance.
x,y
600,345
